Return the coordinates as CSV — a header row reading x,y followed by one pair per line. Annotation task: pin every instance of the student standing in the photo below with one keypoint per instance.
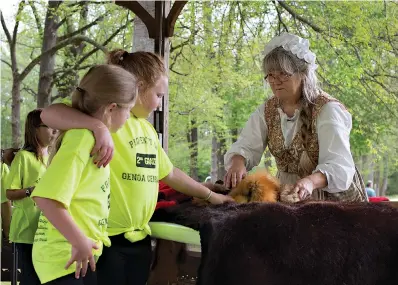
x,y
26,170
74,193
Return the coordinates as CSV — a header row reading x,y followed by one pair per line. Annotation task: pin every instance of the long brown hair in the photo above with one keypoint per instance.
x,y
100,86
147,67
32,143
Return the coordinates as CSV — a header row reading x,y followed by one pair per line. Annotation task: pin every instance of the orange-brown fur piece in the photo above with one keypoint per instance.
x,y
257,187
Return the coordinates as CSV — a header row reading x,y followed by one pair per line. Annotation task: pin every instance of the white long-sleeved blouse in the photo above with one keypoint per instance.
x,y
333,127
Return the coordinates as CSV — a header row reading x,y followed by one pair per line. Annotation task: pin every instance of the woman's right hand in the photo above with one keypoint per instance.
x,y
236,172
103,148
82,254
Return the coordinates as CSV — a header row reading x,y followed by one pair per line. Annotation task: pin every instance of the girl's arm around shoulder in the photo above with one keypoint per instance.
x,y
63,117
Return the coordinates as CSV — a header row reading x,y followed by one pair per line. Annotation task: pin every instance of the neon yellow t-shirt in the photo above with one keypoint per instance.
x,y
26,171
4,174
139,162
75,181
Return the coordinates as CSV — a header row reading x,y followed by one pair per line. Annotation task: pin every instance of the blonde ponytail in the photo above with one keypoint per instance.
x,y
100,86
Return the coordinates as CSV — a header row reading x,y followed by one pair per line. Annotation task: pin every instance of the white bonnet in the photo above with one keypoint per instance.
x,y
296,45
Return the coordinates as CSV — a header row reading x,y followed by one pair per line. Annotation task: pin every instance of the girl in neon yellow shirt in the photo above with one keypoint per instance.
x,y
5,203
74,194
139,162
26,170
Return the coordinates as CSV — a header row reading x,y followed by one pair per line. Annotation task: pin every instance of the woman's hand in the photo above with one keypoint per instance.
x,y
304,188
216,199
103,148
236,172
82,254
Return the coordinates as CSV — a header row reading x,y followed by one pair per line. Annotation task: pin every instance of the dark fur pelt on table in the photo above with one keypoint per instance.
x,y
301,244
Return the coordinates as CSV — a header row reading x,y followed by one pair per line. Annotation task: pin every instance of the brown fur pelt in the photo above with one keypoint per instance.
x,y
300,244
257,187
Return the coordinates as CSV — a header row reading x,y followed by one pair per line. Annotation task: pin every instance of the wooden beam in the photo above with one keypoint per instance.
x,y
160,27
149,21
143,14
172,17
161,48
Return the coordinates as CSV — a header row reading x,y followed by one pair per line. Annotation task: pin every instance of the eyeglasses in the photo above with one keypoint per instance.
x,y
271,78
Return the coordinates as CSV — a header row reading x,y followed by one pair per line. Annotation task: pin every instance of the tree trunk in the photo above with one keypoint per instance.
x,y
70,80
47,62
364,161
370,169
218,140
192,136
214,158
358,163
376,178
384,185
217,157
16,112
16,78
220,158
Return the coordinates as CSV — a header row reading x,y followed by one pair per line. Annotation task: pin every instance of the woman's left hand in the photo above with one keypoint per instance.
x,y
216,198
304,188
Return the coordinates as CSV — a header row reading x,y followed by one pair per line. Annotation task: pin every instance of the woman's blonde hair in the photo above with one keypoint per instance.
x,y
285,61
100,86
147,67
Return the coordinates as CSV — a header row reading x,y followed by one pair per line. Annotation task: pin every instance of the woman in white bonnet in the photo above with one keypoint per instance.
x,y
305,129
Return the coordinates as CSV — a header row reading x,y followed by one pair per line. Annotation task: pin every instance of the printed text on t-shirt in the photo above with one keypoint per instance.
x,y
146,160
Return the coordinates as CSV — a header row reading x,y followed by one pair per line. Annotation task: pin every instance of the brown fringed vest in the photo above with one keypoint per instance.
x,y
298,160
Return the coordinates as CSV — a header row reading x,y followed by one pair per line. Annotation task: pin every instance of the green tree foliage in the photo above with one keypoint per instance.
x,y
216,80
356,46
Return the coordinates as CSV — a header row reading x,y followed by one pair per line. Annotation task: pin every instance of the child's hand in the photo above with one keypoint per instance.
x,y
103,148
216,198
82,254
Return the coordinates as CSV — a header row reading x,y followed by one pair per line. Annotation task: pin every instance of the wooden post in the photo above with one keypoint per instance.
x,y
154,25
141,39
162,47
